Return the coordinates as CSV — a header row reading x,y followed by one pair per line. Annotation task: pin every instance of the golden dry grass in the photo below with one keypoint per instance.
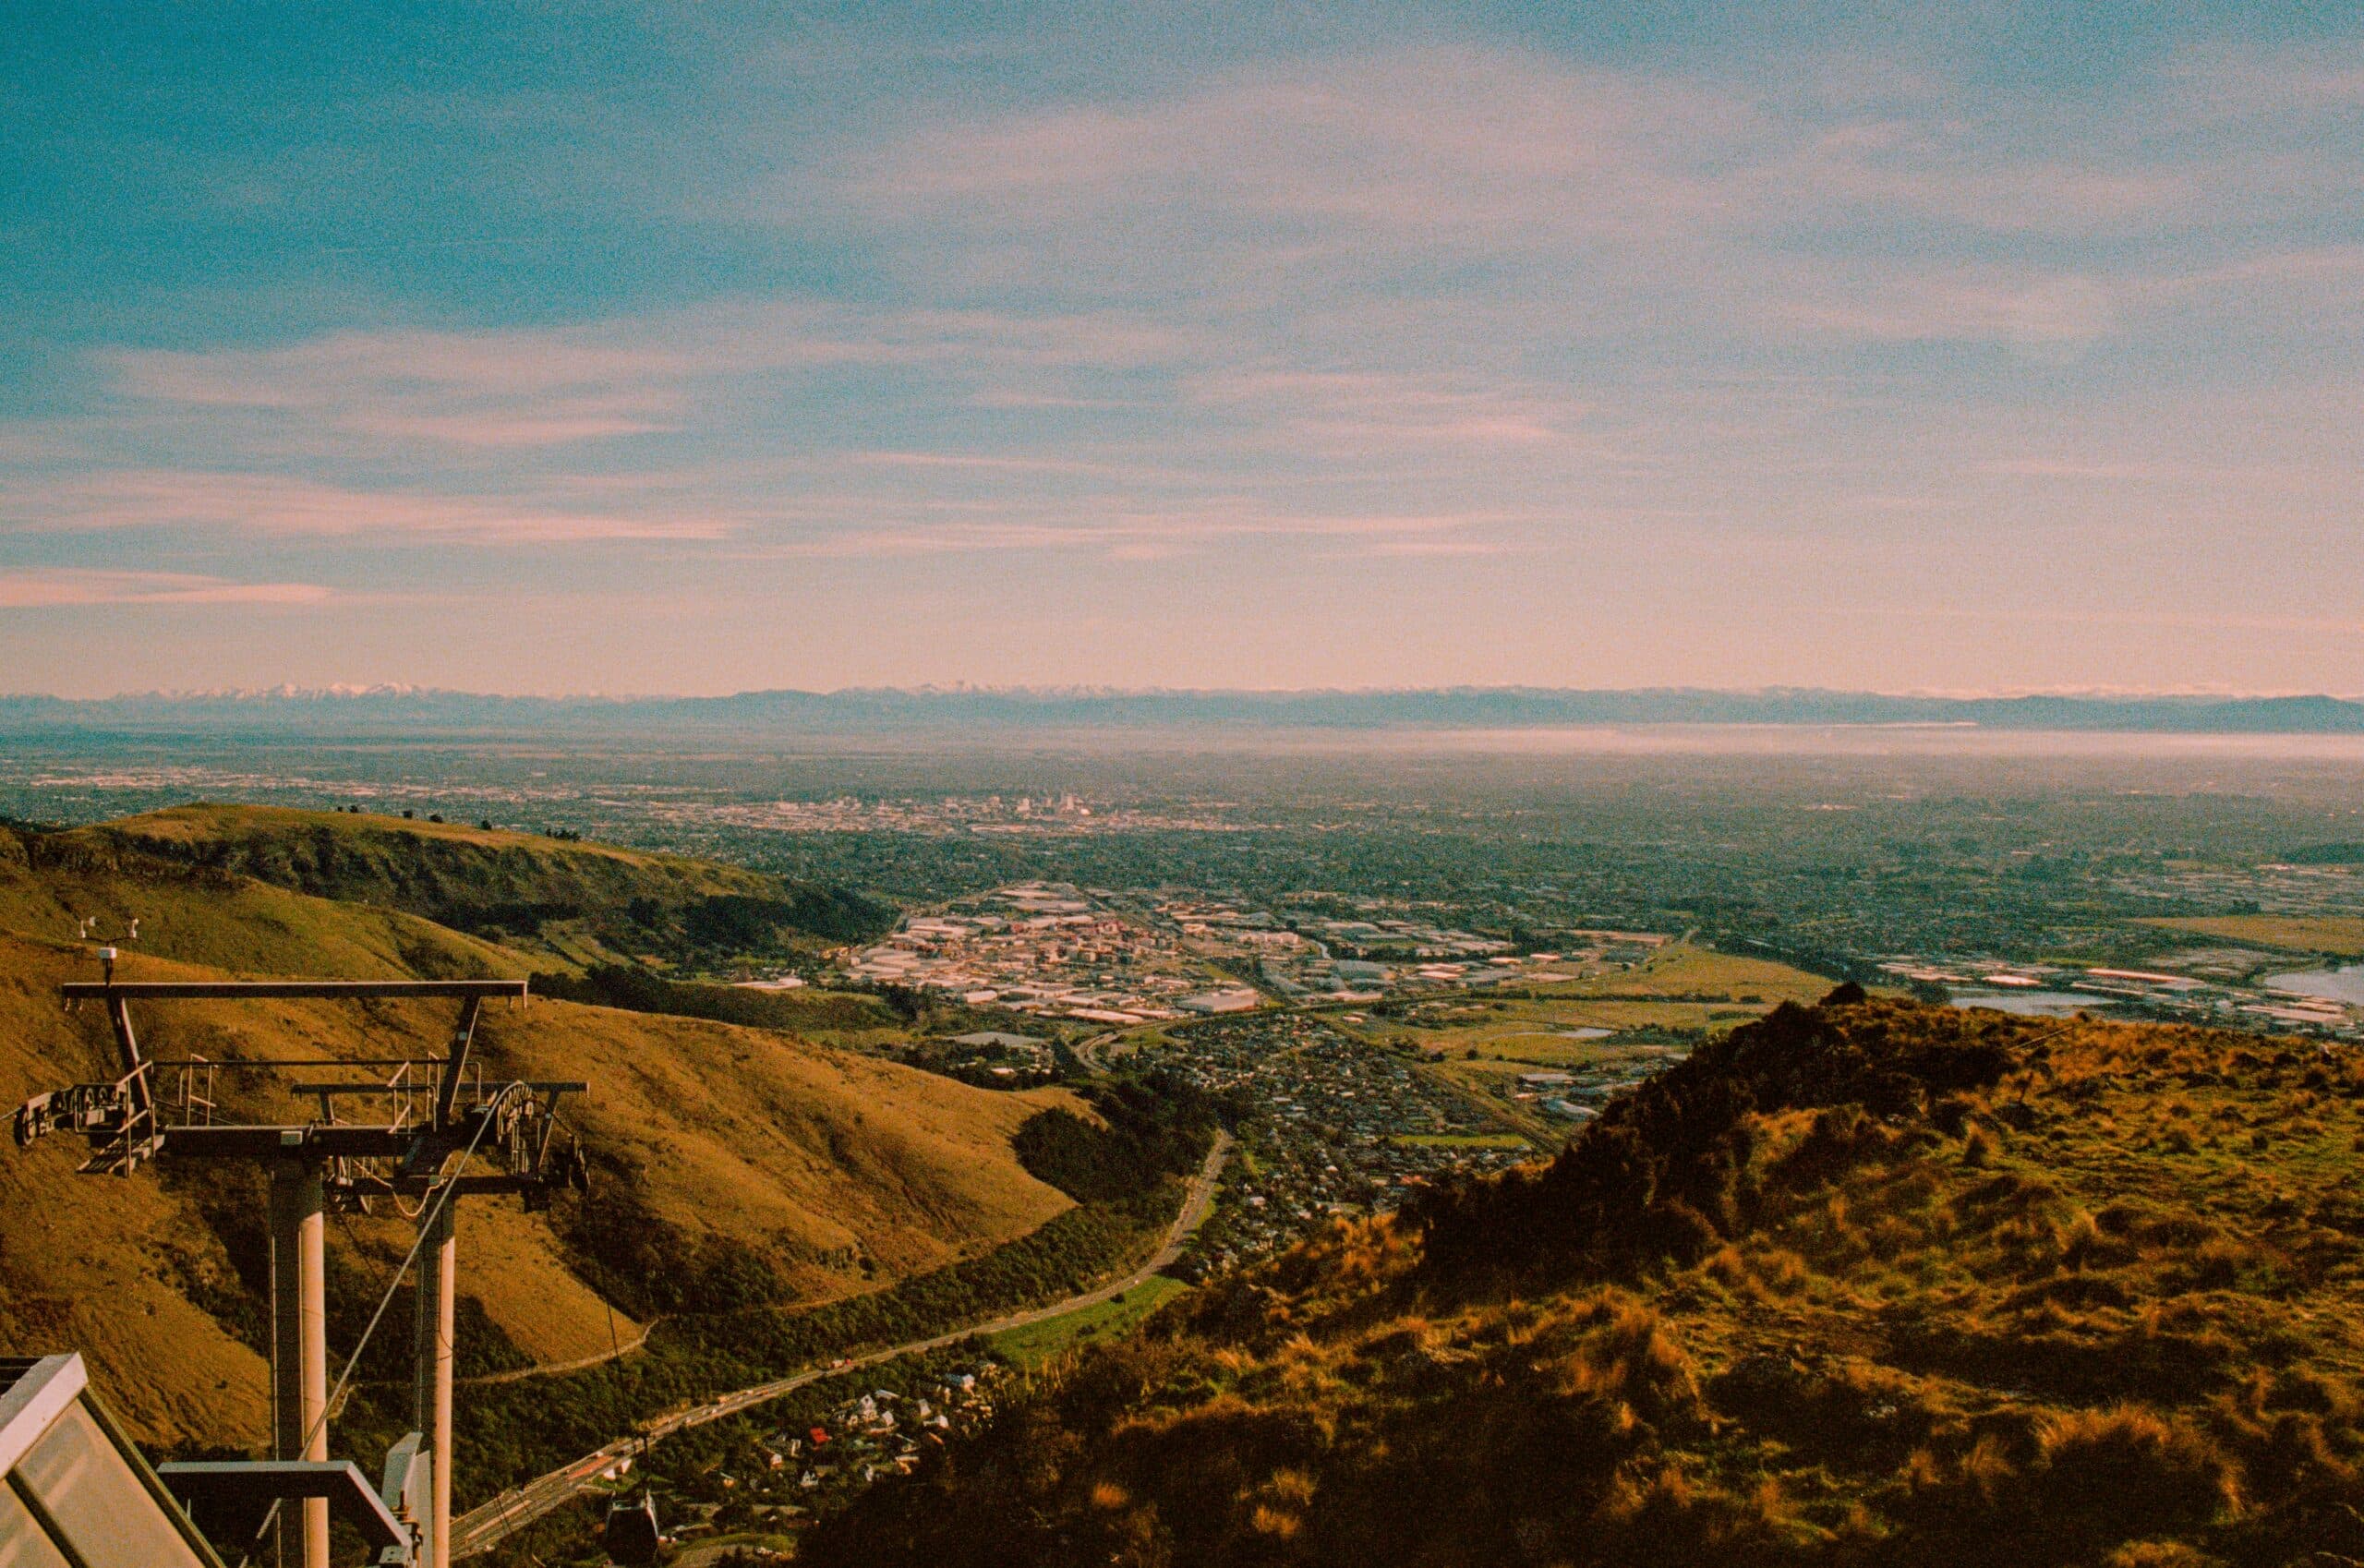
x,y
846,1171
213,824
562,902
1962,1300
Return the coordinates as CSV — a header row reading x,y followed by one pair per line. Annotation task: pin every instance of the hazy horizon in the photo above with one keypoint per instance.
x,y
290,688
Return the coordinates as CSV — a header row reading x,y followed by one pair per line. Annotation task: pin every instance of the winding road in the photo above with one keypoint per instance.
x,y
481,1527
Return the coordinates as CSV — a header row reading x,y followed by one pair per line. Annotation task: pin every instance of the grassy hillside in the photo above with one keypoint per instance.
x,y
1864,1283
578,903
198,915
744,1162
839,1017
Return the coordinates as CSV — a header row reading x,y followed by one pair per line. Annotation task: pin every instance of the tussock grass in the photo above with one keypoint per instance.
x,y
1868,1283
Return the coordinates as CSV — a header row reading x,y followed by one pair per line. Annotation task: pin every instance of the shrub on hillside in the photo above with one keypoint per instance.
x,y
1151,1128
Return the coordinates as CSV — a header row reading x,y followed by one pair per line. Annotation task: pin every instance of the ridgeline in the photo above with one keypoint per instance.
x,y
738,1167
1869,1282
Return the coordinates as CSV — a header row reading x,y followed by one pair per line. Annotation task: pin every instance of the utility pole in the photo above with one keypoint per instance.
x,y
438,1261
435,1110
300,1359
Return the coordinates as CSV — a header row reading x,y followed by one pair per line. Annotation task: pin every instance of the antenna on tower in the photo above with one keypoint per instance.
x,y
108,946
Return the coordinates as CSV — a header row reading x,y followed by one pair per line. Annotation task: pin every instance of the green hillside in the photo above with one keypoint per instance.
x,y
790,1170
557,898
1863,1284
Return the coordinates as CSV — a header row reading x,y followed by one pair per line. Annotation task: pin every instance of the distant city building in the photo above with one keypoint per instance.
x,y
985,1037
1211,1002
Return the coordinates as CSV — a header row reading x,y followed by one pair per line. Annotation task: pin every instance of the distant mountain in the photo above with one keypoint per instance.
x,y
413,712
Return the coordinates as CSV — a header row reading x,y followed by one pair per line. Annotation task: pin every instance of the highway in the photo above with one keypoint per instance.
x,y
481,1527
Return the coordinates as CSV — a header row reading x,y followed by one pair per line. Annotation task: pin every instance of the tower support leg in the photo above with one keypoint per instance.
x,y
436,1268
299,1348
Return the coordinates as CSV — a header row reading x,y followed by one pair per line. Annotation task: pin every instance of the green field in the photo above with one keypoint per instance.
x,y
2341,936
1680,968
1682,990
1038,1342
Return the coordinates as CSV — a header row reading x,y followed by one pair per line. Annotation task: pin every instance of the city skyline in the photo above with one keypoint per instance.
x,y
682,350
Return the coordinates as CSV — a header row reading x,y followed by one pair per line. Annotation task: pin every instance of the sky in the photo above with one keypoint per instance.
x,y
1956,347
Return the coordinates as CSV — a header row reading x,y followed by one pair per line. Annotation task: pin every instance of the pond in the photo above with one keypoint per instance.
x,y
2033,1003
2345,983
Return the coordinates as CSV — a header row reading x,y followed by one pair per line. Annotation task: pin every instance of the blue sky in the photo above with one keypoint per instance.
x,y
1960,347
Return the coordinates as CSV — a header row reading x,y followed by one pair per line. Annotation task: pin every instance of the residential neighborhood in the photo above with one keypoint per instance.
x,y
1121,958
1329,1125
774,1485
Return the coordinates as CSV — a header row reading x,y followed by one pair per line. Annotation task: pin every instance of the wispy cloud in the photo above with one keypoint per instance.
x,y
67,587
1679,337
277,505
618,377
1365,161
1336,409
986,462
1972,306
2344,627
1132,533
1443,547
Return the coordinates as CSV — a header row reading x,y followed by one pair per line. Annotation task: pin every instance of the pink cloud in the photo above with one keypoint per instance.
x,y
1382,412
1593,197
1423,548
275,504
1973,306
986,462
603,379
64,587
1511,152
1133,534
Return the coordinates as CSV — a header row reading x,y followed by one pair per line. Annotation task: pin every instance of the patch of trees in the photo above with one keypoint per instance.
x,y
744,922
520,918
648,1265
1154,1127
720,925
2326,854
721,1331
505,1433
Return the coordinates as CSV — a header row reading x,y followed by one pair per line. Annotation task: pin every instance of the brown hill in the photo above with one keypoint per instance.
x,y
1864,1283
827,1172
